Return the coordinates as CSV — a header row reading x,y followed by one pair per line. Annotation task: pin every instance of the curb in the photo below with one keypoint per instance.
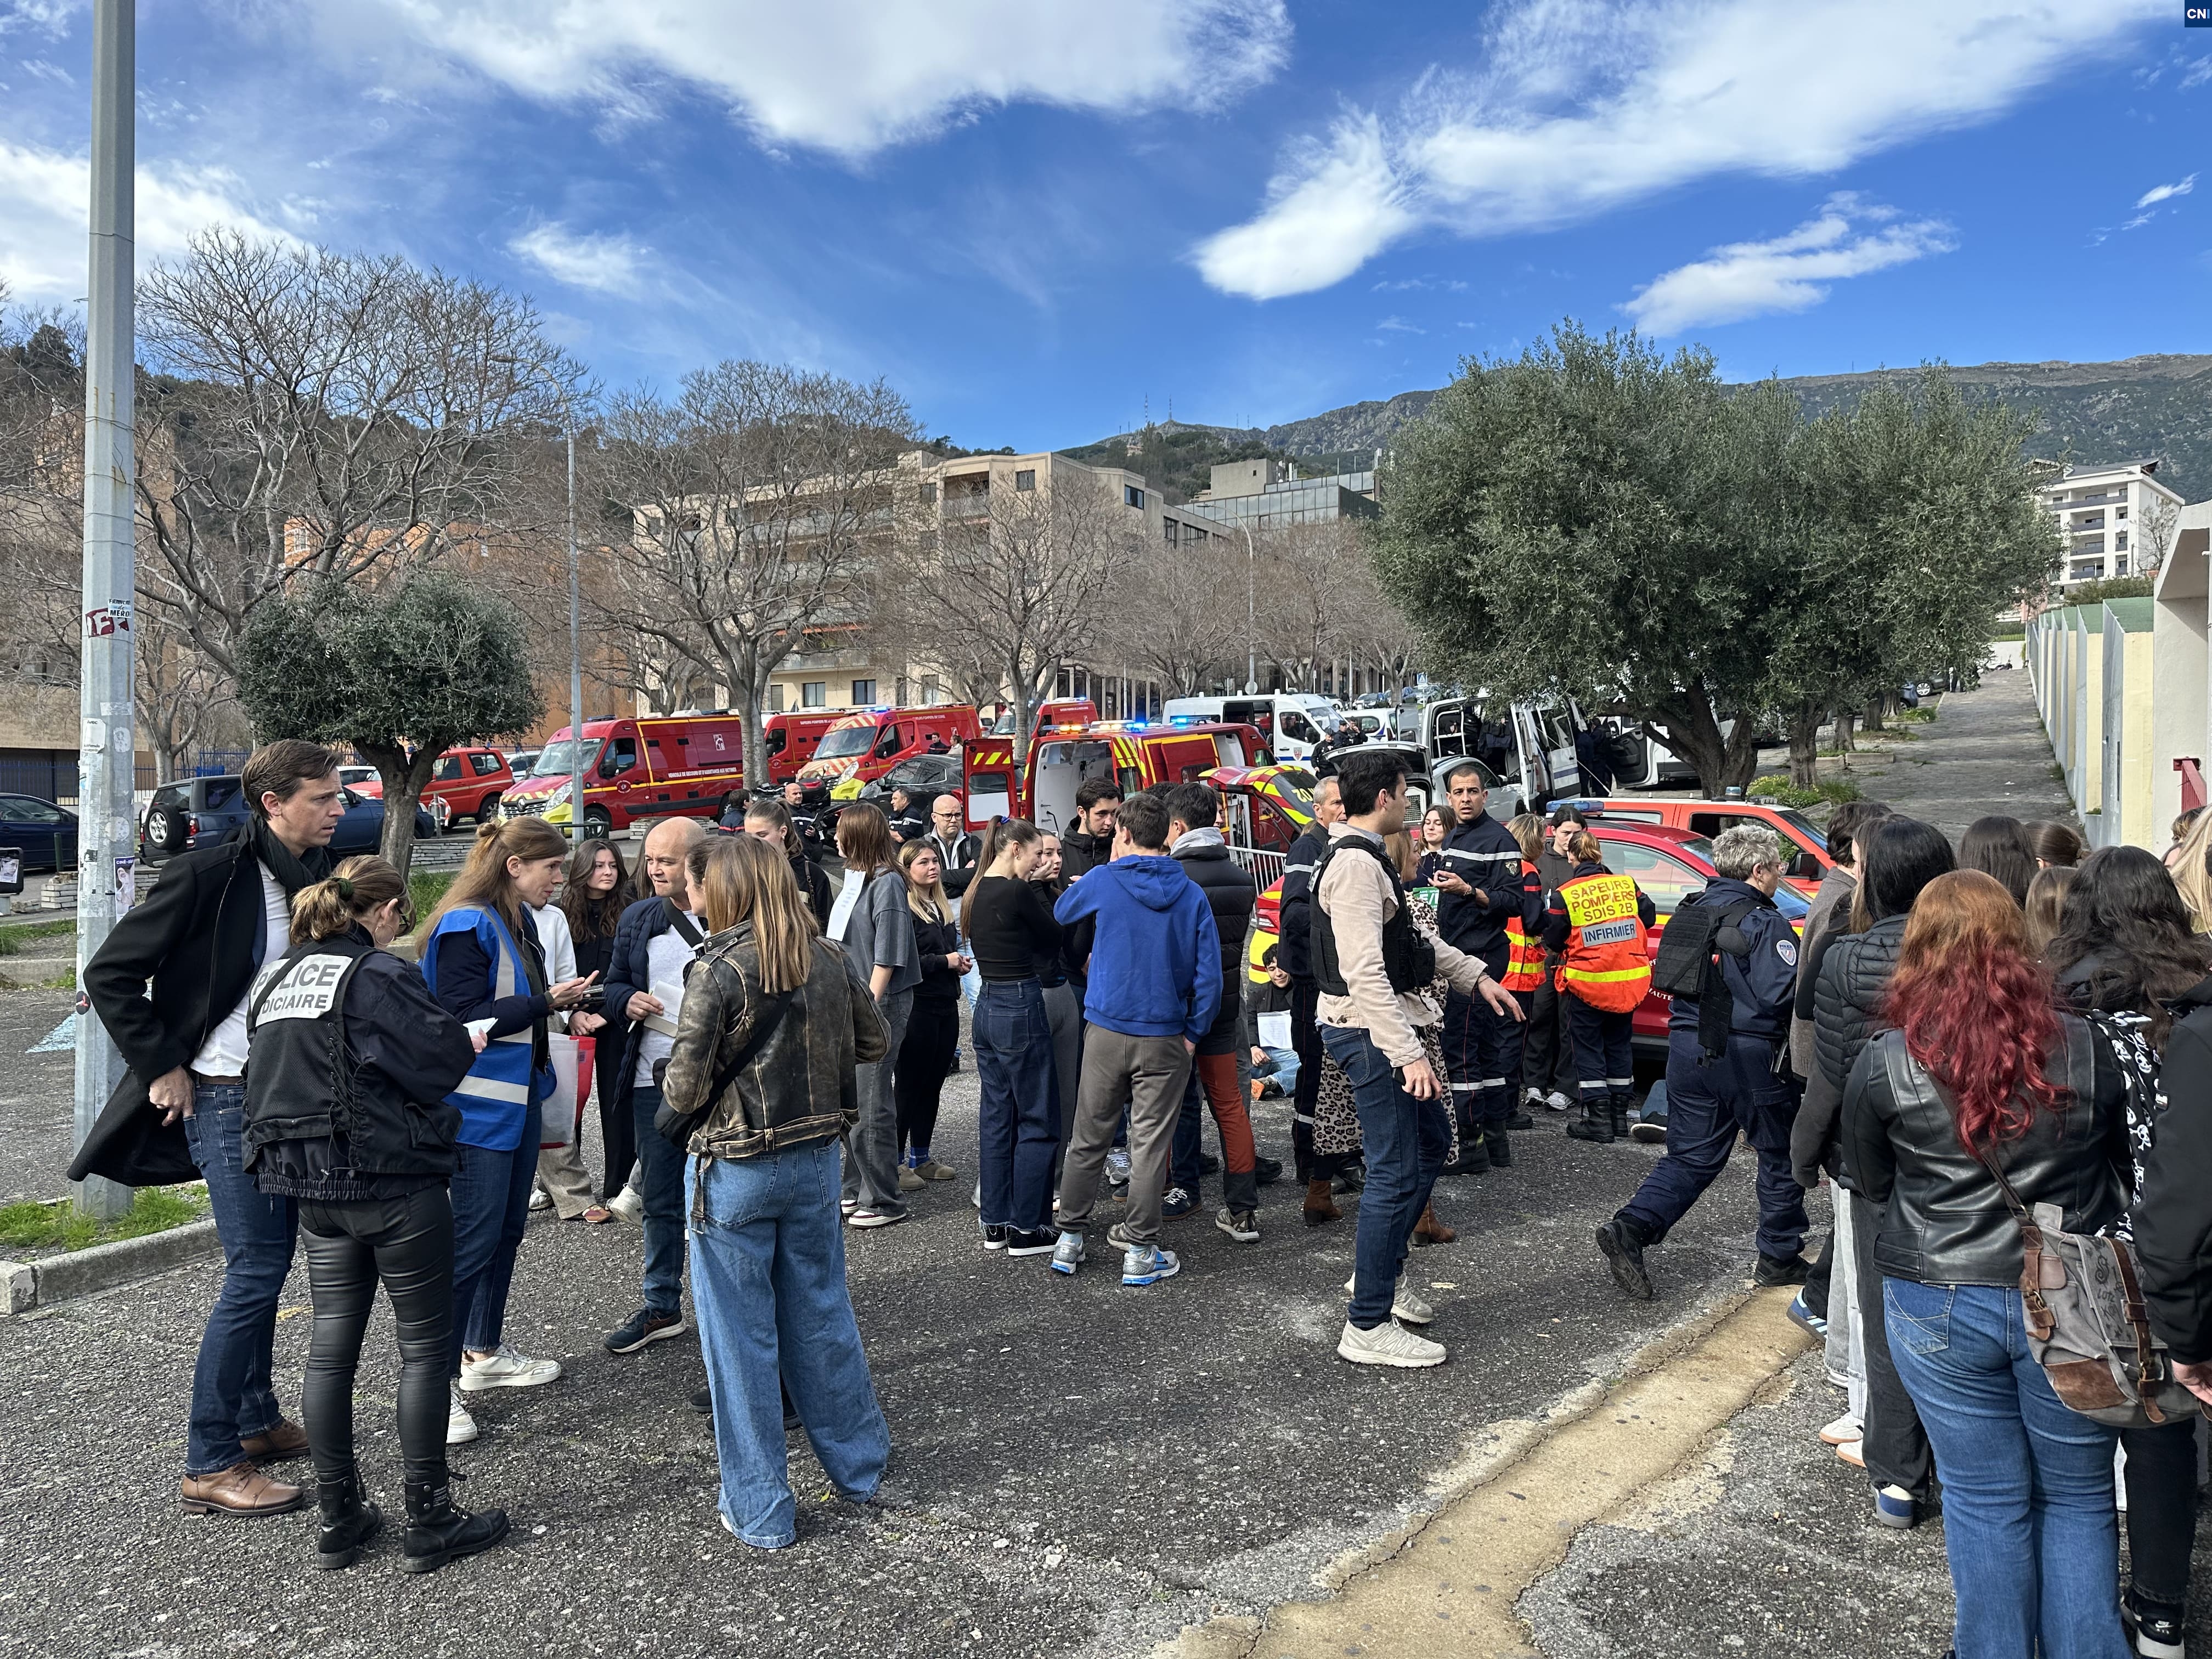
x,y
25,1285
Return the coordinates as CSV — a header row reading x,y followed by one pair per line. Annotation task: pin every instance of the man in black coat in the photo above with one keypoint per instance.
x,y
957,851
1194,843
1479,888
1090,844
170,985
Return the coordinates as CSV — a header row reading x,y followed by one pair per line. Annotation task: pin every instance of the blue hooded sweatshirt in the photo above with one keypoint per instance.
x,y
1156,962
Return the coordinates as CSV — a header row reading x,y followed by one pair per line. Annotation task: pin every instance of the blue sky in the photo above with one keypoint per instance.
x,y
1033,219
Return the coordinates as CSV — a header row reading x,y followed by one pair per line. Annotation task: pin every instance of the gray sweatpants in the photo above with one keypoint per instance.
x,y
1147,1074
871,1145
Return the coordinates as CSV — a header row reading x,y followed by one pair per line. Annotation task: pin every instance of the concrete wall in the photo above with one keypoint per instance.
x,y
2084,754
2127,693
2178,650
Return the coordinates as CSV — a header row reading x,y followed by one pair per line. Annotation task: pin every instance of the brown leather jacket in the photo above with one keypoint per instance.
x,y
798,1087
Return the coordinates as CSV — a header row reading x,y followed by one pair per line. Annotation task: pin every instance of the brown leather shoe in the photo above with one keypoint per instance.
x,y
1430,1230
285,1439
1319,1205
241,1489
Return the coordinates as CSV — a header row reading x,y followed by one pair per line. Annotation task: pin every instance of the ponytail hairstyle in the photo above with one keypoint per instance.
x,y
355,891
1582,848
483,882
741,878
1006,832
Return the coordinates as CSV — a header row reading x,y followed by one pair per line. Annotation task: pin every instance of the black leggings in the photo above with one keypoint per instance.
x,y
408,1243
933,1031
2161,1477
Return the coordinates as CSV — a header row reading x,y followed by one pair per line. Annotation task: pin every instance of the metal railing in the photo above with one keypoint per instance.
x,y
1264,864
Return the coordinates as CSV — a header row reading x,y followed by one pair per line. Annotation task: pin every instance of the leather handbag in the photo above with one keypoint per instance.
x,y
2086,1323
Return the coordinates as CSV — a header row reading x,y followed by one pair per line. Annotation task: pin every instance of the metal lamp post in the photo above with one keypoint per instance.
x,y
1251,614
107,748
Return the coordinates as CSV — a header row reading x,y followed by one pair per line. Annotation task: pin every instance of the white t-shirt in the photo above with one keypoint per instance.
x,y
224,1054
666,956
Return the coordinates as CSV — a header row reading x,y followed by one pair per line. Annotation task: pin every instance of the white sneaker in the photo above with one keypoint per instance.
x,y
1404,1305
540,1199
1388,1344
460,1427
1556,1101
503,1368
1843,1429
629,1204
1853,1452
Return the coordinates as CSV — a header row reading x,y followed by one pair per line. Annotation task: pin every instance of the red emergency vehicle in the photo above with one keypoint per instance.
x,y
637,771
1133,753
867,743
791,737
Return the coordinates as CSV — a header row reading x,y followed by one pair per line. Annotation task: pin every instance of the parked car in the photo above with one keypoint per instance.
x,y
203,811
470,781
44,831
1806,846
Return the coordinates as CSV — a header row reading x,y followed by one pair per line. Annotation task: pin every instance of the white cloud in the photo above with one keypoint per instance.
x,y
2166,192
604,264
852,76
45,198
2198,74
1849,237
49,17
1580,109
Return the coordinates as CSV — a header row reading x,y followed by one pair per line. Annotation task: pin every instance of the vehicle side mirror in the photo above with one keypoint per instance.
x,y
607,767
1806,867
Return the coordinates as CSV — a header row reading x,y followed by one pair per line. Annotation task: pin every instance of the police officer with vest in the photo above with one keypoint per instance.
x,y
1480,888
1725,1073
349,1063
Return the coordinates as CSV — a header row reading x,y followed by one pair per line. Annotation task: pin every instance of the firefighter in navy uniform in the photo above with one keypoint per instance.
x,y
348,1063
1482,891
1725,1072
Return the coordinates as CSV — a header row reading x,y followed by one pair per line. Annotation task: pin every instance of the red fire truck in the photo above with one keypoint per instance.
x,y
637,771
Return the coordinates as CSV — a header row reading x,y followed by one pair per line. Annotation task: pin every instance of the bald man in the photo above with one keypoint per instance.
x,y
657,939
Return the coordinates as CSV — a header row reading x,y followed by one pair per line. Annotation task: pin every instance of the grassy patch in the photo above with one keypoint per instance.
x,y
427,887
1780,787
12,938
57,1225
2057,772
1914,716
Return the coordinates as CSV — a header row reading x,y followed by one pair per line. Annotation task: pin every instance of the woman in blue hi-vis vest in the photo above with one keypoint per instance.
x,y
481,957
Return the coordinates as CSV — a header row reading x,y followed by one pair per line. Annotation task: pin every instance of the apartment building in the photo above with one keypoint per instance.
x,y
1268,495
2110,519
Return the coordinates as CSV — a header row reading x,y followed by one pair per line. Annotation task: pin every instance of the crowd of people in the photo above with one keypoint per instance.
x,y
1965,1044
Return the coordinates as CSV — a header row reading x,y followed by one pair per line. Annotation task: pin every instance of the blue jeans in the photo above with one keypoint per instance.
x,y
2028,1521
1706,1104
1018,1124
1285,1074
232,1396
491,1207
661,1187
1406,1141
768,1280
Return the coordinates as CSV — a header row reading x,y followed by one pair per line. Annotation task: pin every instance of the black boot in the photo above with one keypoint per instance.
x,y
348,1522
1596,1124
439,1532
1622,1243
1499,1148
1618,1113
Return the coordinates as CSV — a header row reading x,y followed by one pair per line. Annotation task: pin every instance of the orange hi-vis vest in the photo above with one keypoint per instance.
x,y
1608,957
1524,957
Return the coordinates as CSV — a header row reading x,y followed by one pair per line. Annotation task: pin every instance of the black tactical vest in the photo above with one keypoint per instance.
x,y
300,1071
1407,956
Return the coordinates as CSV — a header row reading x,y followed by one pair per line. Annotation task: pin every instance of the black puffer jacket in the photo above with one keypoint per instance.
x,y
1230,893
1948,1222
1850,977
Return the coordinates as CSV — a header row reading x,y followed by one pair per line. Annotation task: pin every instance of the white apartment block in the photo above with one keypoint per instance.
x,y
2108,519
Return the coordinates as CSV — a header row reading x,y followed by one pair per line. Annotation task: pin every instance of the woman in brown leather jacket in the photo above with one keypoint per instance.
x,y
1981,1073
767,1256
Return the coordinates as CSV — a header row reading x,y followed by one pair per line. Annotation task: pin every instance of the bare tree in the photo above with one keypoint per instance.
x,y
322,415
1315,580
2155,534
762,495
1181,613
1019,579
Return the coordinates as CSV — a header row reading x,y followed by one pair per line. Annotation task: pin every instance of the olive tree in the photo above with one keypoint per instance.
x,y
400,675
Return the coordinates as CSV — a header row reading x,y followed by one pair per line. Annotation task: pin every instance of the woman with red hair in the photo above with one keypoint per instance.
x,y
1982,1073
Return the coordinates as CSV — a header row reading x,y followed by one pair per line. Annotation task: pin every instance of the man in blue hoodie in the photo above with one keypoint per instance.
x,y
1154,987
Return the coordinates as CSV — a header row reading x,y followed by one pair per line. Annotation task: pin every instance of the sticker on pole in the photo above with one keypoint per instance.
x,y
307,990
126,886
101,621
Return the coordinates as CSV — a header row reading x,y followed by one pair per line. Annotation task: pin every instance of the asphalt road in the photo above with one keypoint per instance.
x,y
1095,1467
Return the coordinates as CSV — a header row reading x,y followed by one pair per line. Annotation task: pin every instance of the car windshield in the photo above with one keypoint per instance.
x,y
559,759
843,745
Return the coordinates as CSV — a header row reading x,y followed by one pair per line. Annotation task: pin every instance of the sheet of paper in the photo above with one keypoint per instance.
x,y
1275,1030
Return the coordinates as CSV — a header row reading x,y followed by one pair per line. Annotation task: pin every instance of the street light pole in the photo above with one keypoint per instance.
x,y
575,652
108,749
1251,614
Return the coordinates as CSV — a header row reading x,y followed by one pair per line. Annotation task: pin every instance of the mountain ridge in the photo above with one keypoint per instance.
x,y
2154,406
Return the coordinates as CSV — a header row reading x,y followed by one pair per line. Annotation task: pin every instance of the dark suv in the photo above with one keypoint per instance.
x,y
202,811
